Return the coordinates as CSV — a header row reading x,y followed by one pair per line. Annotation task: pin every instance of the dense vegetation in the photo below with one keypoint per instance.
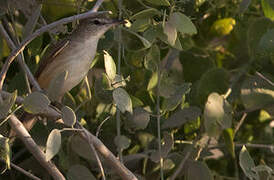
x,y
184,90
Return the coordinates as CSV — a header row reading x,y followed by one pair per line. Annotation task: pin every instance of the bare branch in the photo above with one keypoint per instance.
x,y
20,59
23,135
97,5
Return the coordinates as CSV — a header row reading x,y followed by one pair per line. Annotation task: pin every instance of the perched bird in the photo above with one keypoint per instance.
x,y
74,54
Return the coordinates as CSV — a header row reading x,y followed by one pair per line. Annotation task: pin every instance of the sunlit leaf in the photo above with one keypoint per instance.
x,y
153,81
223,27
229,137
268,8
5,152
110,66
53,144
217,114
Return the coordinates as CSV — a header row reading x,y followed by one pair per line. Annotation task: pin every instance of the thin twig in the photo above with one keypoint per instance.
x,y
240,123
239,145
100,126
110,158
38,32
23,134
23,171
97,5
181,165
96,155
20,58
118,113
263,77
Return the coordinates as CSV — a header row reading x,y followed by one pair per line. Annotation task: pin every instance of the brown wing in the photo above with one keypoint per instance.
x,y
53,51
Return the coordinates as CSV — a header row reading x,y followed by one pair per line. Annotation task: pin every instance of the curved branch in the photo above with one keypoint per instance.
x,y
23,134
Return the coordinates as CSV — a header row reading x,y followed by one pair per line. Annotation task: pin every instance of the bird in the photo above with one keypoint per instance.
x,y
74,55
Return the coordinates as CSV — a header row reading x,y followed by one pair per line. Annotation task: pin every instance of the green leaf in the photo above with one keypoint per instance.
x,y
214,80
181,117
122,100
244,6
131,41
266,45
170,103
228,137
147,13
7,105
152,58
53,144
56,85
261,168
153,81
256,93
198,170
166,148
5,152
136,102
268,8
139,119
217,115
68,116
110,66
81,147
122,142
140,25
247,164
79,172
36,103
255,32
159,2
182,23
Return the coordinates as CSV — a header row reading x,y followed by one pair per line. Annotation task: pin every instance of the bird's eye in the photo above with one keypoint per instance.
x,y
96,22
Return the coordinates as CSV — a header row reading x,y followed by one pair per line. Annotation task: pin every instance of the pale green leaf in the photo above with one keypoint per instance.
x,y
53,144
68,116
36,102
122,100
122,142
110,66
247,164
182,23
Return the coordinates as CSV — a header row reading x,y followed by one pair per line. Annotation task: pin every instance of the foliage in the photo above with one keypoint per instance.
x,y
202,70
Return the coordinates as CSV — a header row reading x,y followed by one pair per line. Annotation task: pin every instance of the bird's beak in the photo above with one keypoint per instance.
x,y
118,21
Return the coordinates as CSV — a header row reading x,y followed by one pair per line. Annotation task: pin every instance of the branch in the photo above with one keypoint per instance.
x,y
97,5
23,171
101,148
38,32
23,134
20,59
